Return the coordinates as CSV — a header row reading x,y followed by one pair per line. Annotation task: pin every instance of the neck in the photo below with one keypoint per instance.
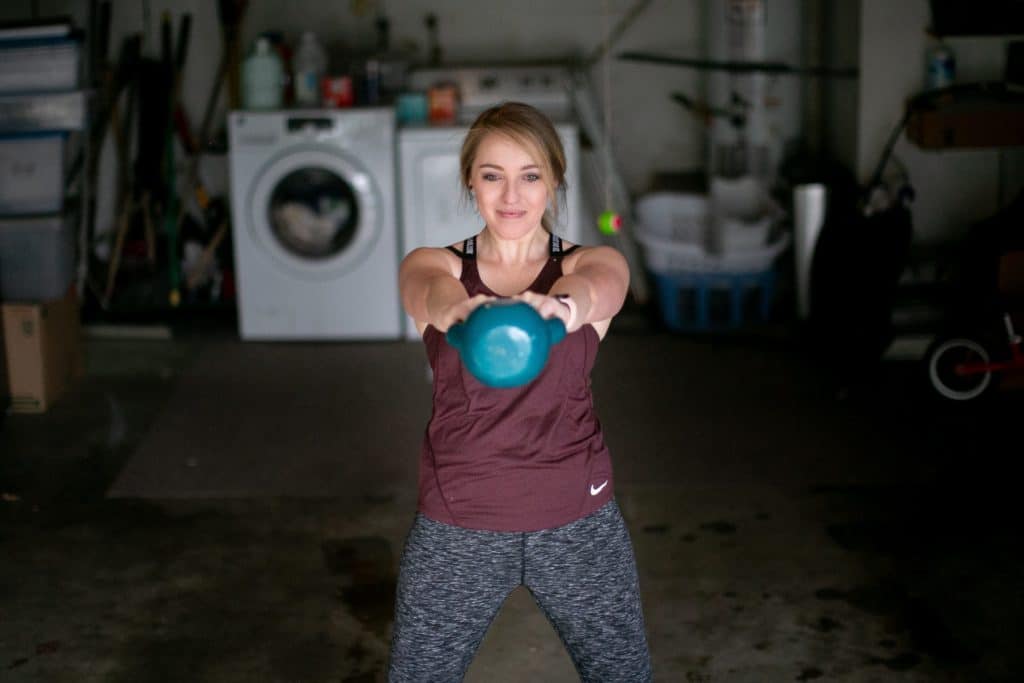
x,y
529,247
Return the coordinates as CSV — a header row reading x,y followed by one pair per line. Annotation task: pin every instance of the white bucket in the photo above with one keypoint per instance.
x,y
742,215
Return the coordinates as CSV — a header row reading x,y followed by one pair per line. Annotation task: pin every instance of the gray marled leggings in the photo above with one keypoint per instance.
x,y
452,582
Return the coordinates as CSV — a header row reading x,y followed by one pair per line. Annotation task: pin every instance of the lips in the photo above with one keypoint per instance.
x,y
511,214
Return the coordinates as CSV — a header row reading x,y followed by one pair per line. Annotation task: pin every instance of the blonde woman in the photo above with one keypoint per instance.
x,y
516,485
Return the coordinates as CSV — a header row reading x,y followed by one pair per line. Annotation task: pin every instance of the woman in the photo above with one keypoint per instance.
x,y
516,485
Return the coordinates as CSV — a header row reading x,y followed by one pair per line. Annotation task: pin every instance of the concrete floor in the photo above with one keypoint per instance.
x,y
786,528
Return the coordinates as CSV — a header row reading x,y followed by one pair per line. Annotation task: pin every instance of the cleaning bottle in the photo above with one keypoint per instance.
x,y
310,63
940,65
262,78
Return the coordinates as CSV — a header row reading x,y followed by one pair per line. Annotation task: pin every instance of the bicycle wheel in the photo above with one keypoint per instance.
x,y
944,359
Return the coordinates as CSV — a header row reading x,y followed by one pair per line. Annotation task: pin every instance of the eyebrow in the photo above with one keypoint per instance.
x,y
496,166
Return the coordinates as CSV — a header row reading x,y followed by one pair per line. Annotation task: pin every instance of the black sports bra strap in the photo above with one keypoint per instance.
x,y
558,249
556,245
468,248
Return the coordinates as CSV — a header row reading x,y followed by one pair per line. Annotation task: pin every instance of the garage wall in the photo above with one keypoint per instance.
x,y
954,187
651,133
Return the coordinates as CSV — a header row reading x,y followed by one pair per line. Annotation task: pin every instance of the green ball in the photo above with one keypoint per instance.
x,y
609,223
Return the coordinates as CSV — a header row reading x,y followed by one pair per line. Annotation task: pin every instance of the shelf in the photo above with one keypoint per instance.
x,y
967,116
777,68
974,36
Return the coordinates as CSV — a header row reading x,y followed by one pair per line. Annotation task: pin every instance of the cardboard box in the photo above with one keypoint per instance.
x,y
43,351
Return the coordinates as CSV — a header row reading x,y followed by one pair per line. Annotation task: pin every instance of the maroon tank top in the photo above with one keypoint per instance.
x,y
521,459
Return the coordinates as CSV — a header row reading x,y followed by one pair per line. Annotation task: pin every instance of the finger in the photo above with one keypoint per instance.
x,y
556,309
474,303
546,306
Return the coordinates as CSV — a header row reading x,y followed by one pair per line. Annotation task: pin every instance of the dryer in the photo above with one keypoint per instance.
x,y
315,228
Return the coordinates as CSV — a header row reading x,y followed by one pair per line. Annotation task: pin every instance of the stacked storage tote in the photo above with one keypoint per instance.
x,y
41,109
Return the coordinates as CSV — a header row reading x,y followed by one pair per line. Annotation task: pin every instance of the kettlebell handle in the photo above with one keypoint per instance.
x,y
556,330
455,335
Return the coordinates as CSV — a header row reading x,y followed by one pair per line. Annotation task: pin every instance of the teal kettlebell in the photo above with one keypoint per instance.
x,y
505,343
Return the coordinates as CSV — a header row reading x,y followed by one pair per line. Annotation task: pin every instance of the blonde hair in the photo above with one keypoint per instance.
x,y
530,129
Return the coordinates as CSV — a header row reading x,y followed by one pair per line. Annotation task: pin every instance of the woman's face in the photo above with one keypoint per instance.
x,y
511,194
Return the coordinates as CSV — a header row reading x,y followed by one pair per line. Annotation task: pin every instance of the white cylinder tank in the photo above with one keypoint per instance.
x,y
753,31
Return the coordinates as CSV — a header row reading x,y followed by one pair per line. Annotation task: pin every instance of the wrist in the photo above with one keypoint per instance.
x,y
570,304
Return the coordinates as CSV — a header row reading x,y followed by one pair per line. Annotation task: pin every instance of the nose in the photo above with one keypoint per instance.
x,y
510,194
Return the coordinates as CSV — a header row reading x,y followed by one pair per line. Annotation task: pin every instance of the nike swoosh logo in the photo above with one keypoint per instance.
x,y
594,490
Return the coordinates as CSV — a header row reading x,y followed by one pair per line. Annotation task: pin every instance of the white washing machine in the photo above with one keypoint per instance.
x,y
434,210
315,228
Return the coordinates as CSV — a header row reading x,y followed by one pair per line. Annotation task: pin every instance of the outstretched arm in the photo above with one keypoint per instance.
x,y
431,291
591,290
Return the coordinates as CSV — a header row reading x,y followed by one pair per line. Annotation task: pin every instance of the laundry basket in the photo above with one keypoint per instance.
x,y
680,218
703,291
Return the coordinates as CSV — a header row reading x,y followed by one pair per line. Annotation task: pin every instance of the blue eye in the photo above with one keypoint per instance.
x,y
490,177
532,177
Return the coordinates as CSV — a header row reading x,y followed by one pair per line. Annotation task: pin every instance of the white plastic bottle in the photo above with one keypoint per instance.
x,y
262,78
310,63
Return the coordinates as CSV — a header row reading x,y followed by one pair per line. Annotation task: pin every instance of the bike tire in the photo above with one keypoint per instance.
x,y
943,357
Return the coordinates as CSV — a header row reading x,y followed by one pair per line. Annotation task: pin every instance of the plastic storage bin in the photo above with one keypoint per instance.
x,y
49,111
39,65
703,291
36,258
31,173
706,302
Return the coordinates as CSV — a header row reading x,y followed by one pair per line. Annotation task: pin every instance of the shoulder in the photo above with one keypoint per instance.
x,y
432,258
584,256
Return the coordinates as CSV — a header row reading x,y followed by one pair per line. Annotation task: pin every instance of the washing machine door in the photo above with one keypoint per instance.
x,y
316,211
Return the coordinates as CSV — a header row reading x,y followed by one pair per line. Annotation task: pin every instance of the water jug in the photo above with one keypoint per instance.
x,y
262,78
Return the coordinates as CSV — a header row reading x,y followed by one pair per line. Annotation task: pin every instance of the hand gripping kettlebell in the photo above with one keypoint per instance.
x,y
505,343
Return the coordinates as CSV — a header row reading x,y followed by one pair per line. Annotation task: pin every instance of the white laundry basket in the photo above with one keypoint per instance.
x,y
702,291
681,218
